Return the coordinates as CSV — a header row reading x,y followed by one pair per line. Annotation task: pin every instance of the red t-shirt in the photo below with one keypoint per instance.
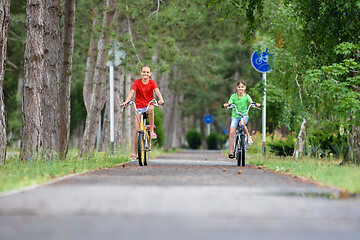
x,y
143,92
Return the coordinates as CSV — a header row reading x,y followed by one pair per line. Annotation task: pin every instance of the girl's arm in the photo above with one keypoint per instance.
x,y
131,94
158,93
256,104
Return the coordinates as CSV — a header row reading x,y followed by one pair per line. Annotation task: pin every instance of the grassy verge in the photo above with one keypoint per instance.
x,y
327,171
15,174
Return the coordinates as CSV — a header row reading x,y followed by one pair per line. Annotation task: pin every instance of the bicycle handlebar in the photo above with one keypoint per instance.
x,y
253,105
147,108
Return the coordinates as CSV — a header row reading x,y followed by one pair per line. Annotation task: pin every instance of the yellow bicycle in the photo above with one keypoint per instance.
x,y
143,137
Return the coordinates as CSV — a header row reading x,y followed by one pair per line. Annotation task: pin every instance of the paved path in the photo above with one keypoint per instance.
x,y
188,195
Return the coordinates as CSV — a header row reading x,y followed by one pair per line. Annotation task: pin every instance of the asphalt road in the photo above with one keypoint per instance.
x,y
188,195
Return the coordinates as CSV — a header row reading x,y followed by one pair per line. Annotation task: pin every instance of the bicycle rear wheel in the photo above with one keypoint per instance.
x,y
242,140
141,149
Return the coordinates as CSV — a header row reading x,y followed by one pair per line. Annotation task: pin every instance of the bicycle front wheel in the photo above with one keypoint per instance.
x,y
238,151
147,146
243,142
141,149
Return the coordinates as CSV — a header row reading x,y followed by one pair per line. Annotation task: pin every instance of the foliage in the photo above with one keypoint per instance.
x,y
326,139
283,147
193,138
252,9
14,71
339,82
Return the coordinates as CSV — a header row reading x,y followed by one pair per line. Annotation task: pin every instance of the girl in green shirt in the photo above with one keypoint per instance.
x,y
241,100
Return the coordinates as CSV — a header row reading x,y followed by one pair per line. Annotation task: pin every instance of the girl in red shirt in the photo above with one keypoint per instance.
x,y
144,94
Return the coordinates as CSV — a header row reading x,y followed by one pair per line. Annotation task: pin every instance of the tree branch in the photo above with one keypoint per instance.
x,y
11,64
299,88
131,39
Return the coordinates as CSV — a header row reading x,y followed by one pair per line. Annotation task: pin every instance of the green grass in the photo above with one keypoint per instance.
x,y
15,174
327,170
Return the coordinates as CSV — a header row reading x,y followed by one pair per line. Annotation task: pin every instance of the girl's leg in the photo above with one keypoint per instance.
x,y
246,131
137,127
151,118
231,139
243,122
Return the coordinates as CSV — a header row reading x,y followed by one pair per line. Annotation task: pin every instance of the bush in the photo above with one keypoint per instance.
x,y
213,140
193,138
283,147
324,141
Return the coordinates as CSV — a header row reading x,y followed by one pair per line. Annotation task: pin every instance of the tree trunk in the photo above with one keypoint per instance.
x,y
203,131
299,150
50,99
65,75
4,29
118,99
172,121
34,69
168,117
353,154
90,65
128,114
99,87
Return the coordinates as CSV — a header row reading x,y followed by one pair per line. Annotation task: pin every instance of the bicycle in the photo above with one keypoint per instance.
x,y
240,142
143,138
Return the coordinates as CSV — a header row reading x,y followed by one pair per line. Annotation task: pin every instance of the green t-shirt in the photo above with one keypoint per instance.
x,y
241,104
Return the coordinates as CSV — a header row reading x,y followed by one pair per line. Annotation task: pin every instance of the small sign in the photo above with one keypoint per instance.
x,y
208,119
260,61
115,55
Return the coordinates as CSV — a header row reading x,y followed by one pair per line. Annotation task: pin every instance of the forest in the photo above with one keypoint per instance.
x,y
54,74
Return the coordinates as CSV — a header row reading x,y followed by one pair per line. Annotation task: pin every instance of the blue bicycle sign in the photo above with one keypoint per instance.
x,y
260,61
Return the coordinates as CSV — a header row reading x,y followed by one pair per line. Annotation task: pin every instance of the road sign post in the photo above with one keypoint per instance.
x,y
115,56
208,119
260,61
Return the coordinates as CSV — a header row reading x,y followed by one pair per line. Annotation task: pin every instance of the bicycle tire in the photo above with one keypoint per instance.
x,y
141,148
242,138
147,141
238,152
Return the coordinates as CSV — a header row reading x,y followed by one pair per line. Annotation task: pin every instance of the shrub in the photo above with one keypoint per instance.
x,y
283,147
322,142
193,138
213,140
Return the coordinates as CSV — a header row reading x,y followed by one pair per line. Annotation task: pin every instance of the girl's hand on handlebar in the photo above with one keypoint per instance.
x,y
225,105
123,104
161,102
